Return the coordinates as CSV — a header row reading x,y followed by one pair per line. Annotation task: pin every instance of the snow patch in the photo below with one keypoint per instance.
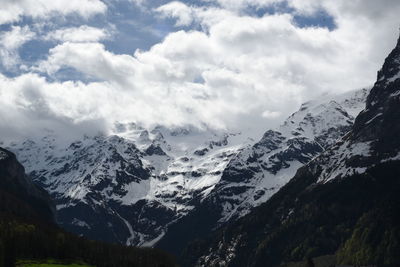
x,y
154,241
395,158
377,116
80,223
337,166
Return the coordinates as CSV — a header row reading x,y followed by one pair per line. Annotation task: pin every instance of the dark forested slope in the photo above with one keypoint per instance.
x,y
28,231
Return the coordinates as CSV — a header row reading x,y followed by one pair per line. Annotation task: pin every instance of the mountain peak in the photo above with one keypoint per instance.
x,y
391,68
374,135
378,122
341,203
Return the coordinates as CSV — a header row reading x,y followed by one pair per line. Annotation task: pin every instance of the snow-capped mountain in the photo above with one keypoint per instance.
x,y
375,136
128,186
258,171
344,202
132,185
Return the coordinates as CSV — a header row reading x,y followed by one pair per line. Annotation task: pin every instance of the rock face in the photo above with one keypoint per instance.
x,y
129,186
343,202
133,185
259,171
374,137
17,190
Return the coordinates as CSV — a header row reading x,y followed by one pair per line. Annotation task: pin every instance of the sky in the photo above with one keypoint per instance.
x,y
78,66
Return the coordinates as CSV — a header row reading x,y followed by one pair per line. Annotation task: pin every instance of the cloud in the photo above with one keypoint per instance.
x,y
29,104
10,42
186,15
241,67
91,59
271,114
16,37
83,33
359,8
227,70
178,10
14,10
240,5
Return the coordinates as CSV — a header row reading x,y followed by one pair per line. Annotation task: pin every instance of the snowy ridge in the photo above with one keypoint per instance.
x,y
147,171
373,138
318,119
259,171
338,156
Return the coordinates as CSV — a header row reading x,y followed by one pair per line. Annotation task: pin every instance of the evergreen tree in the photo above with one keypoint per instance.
x,y
1,253
310,263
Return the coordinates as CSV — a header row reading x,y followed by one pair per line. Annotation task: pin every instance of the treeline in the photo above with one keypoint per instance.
x,y
28,241
24,234
28,230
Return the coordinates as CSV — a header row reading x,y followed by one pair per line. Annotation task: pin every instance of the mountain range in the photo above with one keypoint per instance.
x,y
321,187
133,185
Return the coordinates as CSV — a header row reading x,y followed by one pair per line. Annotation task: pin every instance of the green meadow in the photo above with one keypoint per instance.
x,y
49,263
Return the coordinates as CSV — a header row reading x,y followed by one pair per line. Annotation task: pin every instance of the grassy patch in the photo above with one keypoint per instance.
x,y
49,263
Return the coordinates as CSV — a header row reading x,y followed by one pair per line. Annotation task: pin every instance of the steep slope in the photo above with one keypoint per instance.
x,y
259,171
343,202
270,163
19,196
28,230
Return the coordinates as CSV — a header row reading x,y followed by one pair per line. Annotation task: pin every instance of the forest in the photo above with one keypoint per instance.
x,y
25,235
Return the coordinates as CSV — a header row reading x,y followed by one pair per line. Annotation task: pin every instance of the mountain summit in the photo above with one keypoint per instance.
x,y
341,207
257,172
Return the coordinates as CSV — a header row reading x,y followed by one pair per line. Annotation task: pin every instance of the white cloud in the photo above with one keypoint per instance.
x,y
239,5
16,37
83,33
13,10
239,68
29,103
186,15
271,114
91,59
177,10
10,42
